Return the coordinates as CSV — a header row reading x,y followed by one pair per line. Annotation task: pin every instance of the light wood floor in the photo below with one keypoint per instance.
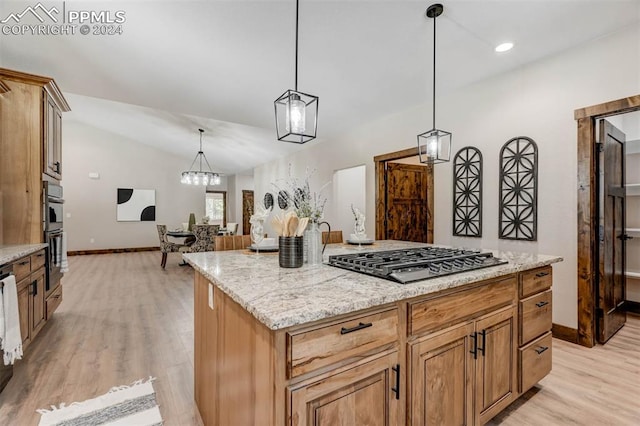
x,y
123,318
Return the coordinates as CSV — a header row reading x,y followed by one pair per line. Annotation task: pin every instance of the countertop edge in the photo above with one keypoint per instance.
x,y
286,322
10,253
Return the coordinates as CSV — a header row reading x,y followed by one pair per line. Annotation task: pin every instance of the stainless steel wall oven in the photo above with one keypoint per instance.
x,y
53,221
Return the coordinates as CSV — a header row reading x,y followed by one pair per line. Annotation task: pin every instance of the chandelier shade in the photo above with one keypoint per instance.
x,y
200,176
434,146
296,112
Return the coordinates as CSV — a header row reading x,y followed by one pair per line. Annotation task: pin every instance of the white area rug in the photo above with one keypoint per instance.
x,y
133,405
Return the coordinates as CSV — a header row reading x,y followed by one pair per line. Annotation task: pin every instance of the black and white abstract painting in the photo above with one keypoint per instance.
x,y
136,205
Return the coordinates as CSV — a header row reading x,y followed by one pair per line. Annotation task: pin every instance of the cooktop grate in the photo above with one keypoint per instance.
x,y
416,264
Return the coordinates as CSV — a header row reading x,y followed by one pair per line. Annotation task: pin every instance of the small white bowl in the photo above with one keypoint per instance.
x,y
267,242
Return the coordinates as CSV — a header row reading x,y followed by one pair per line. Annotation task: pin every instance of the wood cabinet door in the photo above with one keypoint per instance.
x,y
361,395
38,311
496,363
52,142
24,310
441,378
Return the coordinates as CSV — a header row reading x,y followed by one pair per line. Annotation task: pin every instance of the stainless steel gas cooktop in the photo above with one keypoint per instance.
x,y
416,264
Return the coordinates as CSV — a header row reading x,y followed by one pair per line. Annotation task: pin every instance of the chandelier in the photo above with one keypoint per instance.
x,y
200,177
434,146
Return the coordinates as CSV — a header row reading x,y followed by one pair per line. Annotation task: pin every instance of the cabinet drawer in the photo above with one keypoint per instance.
x,y
53,301
535,316
312,349
37,260
22,268
535,281
534,361
444,311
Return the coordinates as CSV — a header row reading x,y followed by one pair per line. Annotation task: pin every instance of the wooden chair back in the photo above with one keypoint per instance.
x,y
333,237
232,242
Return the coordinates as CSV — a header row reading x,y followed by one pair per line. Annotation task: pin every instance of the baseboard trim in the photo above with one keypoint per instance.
x,y
111,251
565,333
632,307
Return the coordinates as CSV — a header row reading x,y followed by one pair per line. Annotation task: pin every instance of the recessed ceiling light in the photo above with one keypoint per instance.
x,y
504,47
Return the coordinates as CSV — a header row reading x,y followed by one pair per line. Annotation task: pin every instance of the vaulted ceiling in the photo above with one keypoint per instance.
x,y
180,65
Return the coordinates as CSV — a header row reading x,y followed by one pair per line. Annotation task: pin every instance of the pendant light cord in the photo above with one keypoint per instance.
x,y
296,78
434,72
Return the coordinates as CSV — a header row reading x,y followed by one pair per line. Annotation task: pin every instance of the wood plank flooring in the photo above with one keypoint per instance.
x,y
123,318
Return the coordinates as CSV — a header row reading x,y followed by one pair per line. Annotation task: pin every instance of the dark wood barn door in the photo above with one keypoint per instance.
x,y
407,206
611,280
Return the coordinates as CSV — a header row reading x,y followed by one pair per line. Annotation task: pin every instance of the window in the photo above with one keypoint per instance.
x,y
216,207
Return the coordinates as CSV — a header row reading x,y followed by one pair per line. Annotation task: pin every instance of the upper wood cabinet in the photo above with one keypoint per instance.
x,y
52,144
31,110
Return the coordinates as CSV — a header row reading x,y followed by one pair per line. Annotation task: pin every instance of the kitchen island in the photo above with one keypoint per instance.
x,y
321,345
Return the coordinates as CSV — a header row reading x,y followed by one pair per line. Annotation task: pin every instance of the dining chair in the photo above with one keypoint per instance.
x,y
204,238
332,237
166,246
231,242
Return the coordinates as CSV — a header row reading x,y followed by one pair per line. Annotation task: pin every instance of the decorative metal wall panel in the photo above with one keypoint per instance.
x,y
519,190
467,193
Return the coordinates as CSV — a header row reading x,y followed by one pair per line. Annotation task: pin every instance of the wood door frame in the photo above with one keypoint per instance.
x,y
381,202
587,209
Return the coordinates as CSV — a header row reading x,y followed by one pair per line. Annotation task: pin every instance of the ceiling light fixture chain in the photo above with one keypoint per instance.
x,y
434,146
296,112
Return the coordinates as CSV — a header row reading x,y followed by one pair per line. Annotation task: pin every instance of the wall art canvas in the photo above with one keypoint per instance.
x,y
136,205
519,190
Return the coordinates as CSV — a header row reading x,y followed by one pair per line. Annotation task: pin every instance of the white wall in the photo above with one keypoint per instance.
x,y
537,101
348,188
121,163
236,184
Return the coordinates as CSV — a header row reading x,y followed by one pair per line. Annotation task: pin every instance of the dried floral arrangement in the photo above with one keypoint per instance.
x,y
298,196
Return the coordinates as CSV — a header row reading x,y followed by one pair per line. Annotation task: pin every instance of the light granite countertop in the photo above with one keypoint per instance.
x,y
282,297
10,253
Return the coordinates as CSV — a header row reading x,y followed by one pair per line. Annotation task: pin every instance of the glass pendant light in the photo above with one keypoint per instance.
x,y
434,146
296,112
200,177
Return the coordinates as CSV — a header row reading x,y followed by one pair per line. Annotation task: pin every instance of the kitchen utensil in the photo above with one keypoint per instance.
x,y
293,226
276,223
302,225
